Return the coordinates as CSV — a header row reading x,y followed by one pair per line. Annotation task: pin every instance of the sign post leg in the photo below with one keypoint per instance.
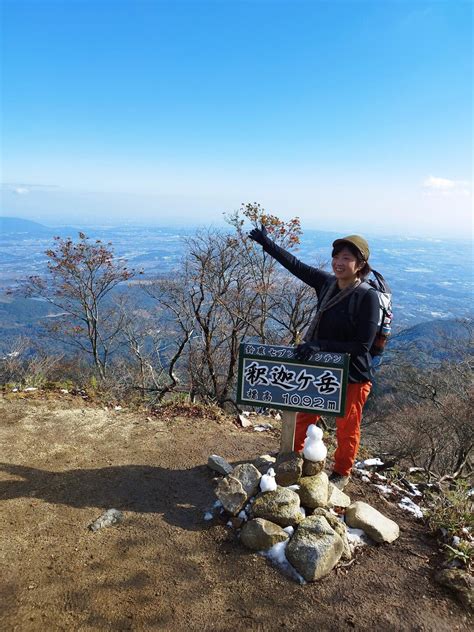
x,y
288,425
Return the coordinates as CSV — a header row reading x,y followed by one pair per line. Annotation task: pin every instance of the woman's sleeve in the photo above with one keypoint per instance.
x,y
367,322
308,274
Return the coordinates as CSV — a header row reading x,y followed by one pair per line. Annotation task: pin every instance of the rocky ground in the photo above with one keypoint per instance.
x,y
165,567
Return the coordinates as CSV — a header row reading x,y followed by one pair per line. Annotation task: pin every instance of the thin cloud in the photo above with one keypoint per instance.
x,y
434,185
21,188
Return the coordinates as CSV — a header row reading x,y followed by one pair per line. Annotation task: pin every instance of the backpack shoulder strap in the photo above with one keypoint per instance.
x,y
357,296
324,290
381,284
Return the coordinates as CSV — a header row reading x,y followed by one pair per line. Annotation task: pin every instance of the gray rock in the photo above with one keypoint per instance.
x,y
107,519
231,494
360,515
264,462
261,535
288,468
339,527
337,498
249,477
311,468
460,582
314,490
244,421
281,506
315,548
219,464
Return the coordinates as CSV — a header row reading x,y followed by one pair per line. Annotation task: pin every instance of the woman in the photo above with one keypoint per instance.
x,y
346,321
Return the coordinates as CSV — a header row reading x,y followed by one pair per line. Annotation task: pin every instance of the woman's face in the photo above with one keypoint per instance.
x,y
345,265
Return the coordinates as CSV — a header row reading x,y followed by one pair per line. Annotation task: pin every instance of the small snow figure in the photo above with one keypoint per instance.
x,y
314,448
268,482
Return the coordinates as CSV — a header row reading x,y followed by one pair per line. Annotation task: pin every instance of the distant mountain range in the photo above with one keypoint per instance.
x,y
431,279
17,227
440,339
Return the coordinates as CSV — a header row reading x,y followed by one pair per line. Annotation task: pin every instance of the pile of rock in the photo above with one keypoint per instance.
x,y
303,510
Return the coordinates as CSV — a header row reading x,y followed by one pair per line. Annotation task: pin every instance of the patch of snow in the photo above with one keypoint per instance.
x,y
386,490
118,408
365,479
369,463
290,530
229,523
64,390
276,555
217,503
356,537
263,427
294,488
407,504
414,489
456,540
30,389
243,516
303,512
208,516
359,471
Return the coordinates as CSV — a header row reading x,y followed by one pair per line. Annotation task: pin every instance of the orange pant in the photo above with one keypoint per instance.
x,y
347,427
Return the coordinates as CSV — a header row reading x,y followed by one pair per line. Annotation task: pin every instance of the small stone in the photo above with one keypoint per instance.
x,y
315,548
339,527
264,462
311,468
107,519
249,477
314,490
288,468
337,498
219,464
231,494
236,522
261,535
460,582
377,526
281,506
244,421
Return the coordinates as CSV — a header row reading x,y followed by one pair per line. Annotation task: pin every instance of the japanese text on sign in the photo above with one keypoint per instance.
x,y
272,376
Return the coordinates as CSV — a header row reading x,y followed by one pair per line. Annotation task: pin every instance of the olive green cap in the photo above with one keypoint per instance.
x,y
357,241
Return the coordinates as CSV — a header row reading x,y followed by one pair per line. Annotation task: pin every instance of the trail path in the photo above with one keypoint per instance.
x,y
164,567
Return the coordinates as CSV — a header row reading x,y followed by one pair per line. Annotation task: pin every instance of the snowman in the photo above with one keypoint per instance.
x,y
268,482
314,448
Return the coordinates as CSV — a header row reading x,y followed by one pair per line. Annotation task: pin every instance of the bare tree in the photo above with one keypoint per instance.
x,y
226,290
424,414
81,276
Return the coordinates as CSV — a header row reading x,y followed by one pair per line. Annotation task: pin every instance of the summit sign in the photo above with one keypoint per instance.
x,y
272,376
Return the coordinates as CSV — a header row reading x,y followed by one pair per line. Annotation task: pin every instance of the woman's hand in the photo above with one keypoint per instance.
x,y
259,235
305,350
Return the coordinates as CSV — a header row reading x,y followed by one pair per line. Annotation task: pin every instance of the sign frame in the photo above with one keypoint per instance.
x,y
285,355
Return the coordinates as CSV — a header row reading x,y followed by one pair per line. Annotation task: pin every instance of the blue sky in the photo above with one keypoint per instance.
x,y
354,115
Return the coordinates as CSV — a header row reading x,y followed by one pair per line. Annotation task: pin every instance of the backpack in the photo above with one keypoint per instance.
x,y
384,325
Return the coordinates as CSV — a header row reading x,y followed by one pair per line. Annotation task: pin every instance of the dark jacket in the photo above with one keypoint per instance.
x,y
338,330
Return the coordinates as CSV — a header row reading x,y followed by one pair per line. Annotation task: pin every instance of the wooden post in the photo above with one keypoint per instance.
x,y
288,424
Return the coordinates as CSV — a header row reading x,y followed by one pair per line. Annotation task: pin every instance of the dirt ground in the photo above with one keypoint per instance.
x,y
164,567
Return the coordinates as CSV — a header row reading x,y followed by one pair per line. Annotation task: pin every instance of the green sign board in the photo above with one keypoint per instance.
x,y
272,376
